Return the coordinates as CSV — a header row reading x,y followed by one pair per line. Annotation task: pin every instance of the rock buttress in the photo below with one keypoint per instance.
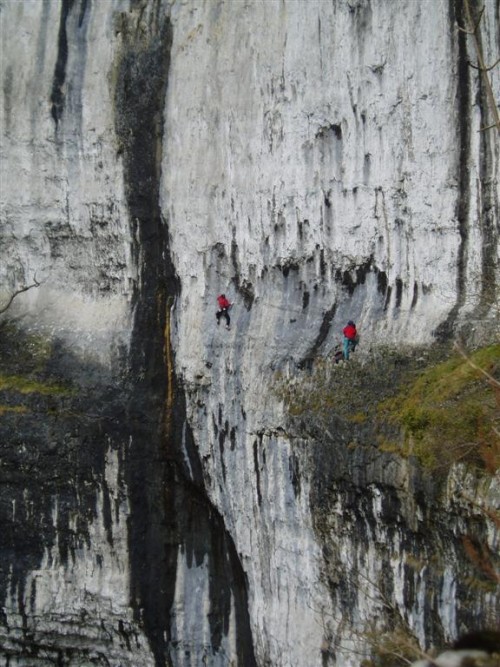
x,y
170,514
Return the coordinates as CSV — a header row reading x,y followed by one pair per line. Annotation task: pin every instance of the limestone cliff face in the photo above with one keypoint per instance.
x,y
316,161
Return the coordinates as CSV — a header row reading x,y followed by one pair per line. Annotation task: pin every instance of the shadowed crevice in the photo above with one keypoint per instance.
x,y
324,330
57,97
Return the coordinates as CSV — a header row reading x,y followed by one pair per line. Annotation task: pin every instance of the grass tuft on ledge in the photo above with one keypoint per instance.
x,y
431,403
451,412
27,385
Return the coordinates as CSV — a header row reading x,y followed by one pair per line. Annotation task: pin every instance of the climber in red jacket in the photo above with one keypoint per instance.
x,y
223,311
350,338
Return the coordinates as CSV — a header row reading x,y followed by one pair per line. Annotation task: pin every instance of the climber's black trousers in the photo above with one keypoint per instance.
x,y
223,313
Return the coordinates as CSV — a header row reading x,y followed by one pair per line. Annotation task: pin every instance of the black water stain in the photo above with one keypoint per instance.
x,y
322,263
415,295
351,279
332,129
305,299
139,102
7,97
57,97
243,287
232,438
294,469
83,9
257,472
196,529
399,292
382,282
324,330
60,99
387,301
445,330
222,438
287,266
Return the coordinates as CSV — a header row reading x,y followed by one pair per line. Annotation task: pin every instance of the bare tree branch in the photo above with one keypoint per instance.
x,y
485,68
468,31
19,291
474,33
489,377
488,127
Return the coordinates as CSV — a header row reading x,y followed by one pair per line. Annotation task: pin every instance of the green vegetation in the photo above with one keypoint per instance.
x,y
435,404
451,412
392,648
16,409
26,385
21,353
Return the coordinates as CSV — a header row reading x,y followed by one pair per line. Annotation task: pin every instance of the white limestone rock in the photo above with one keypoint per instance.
x,y
321,161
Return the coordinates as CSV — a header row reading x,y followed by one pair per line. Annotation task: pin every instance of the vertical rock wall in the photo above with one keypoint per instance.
x,y
94,336
65,569
326,158
328,155
314,160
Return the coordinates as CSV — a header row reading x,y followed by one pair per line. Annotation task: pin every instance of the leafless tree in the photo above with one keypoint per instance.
x,y
473,29
35,283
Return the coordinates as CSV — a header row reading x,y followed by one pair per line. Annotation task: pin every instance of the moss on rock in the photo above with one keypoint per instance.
x,y
451,411
430,403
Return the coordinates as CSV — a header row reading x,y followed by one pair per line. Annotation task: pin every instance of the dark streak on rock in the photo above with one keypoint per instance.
x,y
446,329
107,515
328,130
232,438
83,8
399,292
287,266
322,263
346,279
324,330
415,295
197,528
257,471
57,96
124,633
305,299
294,468
382,282
300,229
243,287
222,437
7,98
139,101
387,298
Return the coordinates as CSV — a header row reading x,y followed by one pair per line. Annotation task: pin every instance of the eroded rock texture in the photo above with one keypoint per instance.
x,y
316,161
